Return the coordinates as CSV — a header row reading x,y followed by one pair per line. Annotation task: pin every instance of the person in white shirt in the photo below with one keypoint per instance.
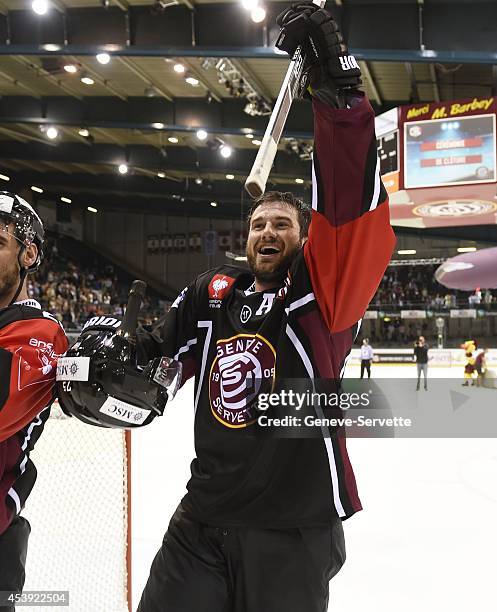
x,y
366,357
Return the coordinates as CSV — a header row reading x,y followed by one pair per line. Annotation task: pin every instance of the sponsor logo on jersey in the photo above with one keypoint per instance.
x,y
122,411
44,347
245,313
218,288
243,367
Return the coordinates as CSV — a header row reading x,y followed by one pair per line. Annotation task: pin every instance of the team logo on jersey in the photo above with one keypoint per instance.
x,y
243,368
218,287
245,313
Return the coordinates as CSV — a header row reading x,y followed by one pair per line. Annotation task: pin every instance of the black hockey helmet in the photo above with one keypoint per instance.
x,y
27,225
27,229
98,387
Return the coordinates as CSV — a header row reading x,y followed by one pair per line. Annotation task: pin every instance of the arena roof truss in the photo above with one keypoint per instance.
x,y
143,110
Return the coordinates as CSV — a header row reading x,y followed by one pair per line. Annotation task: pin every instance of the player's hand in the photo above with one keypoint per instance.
x,y
305,24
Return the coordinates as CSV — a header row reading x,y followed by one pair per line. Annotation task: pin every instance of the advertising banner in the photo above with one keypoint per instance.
x,y
468,313
413,314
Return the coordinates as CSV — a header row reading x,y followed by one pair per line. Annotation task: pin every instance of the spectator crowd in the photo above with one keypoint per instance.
x,y
74,292
415,288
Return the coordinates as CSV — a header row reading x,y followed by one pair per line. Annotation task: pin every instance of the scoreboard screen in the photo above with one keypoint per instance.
x,y
447,152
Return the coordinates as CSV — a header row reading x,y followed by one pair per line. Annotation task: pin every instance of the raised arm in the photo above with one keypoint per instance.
x,y
350,238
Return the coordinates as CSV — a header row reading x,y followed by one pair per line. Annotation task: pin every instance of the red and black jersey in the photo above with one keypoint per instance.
x,y
30,343
239,343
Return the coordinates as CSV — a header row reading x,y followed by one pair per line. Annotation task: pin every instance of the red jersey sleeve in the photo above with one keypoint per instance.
x,y
29,350
350,238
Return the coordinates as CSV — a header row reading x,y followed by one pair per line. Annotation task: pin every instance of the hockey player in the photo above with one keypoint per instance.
x,y
30,342
260,528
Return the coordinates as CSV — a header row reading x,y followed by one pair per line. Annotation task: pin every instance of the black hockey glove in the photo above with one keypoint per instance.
x,y
305,24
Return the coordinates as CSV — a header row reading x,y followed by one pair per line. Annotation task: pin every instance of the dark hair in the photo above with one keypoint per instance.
x,y
303,210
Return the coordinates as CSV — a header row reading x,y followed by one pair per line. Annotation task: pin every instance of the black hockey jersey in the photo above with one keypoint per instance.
x,y
239,343
30,343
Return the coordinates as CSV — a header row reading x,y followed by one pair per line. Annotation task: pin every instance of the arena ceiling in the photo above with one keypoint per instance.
x,y
137,110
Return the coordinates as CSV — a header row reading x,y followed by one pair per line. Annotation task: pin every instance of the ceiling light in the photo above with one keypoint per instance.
x,y
66,200
84,132
91,209
226,151
173,139
299,181
250,5
201,134
257,142
103,58
87,80
150,92
179,68
258,14
199,180
37,189
407,252
4,177
230,177
466,249
52,132
191,80
161,175
158,125
40,7
249,135
71,68
214,204
122,169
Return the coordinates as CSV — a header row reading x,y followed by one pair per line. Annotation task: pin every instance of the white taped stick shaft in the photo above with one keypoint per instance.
x,y
257,179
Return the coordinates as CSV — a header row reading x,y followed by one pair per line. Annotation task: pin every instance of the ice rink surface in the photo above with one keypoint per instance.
x,y
426,540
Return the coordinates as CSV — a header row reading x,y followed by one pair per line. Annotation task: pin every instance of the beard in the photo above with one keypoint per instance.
x,y
9,280
275,275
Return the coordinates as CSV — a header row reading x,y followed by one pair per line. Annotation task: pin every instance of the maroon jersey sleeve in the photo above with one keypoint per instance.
x,y
28,357
350,237
174,335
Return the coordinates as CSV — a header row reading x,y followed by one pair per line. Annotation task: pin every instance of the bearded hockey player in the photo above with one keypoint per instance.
x,y
30,342
260,528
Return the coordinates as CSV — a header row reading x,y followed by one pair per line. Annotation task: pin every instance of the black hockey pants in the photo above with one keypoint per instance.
x,y
13,549
200,568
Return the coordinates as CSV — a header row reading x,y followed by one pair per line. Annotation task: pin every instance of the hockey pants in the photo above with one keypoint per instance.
x,y
200,568
13,549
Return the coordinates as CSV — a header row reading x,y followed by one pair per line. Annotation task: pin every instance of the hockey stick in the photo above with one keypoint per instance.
x,y
257,179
